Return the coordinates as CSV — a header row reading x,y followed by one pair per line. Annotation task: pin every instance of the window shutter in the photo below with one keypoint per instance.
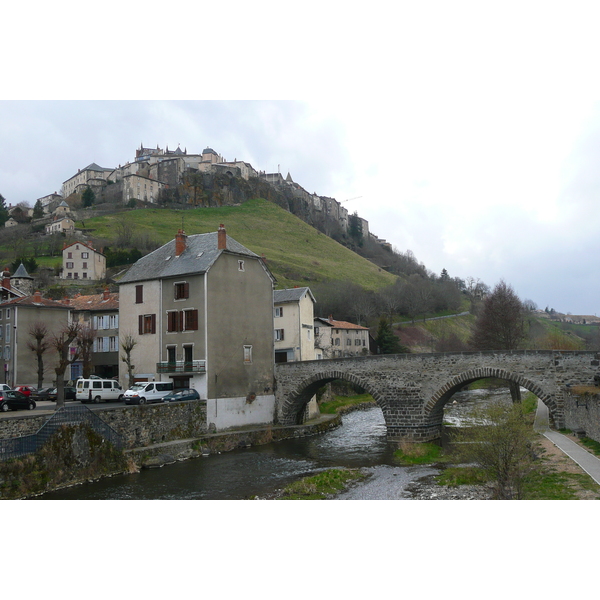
x,y
186,290
141,324
153,323
139,294
191,320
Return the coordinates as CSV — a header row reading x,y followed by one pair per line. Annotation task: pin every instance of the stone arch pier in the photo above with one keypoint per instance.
x,y
412,389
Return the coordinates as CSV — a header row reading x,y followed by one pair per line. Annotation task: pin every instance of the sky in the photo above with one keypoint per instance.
x,y
467,134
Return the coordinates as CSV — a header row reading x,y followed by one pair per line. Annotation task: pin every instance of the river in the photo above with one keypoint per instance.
x,y
259,471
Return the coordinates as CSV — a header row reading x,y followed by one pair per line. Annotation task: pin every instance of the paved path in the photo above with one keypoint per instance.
x,y
586,460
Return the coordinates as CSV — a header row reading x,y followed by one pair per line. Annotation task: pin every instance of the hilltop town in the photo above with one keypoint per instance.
x,y
159,176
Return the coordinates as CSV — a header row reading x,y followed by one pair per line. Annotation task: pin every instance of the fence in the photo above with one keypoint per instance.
x,y
67,415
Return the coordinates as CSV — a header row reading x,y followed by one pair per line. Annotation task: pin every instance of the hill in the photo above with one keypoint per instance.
x,y
296,253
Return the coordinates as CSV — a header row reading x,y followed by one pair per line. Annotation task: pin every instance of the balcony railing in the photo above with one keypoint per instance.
x,y
181,366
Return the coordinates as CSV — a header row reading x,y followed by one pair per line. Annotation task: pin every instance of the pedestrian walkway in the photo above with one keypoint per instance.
x,y
586,460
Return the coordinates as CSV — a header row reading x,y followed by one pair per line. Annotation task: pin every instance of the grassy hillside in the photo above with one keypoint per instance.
x,y
296,253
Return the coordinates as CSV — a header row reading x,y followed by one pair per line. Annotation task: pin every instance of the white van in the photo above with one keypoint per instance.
x,y
144,391
95,390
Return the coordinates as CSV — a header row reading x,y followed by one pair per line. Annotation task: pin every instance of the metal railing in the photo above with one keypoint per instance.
x,y
67,415
181,366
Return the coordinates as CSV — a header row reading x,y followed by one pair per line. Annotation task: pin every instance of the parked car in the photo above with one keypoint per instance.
x,y
96,389
179,395
5,386
51,394
25,389
143,392
13,400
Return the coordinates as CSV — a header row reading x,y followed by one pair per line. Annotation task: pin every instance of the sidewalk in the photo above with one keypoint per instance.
x,y
586,460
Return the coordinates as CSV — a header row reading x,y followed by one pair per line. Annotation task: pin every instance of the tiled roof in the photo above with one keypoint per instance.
x,y
199,255
22,272
340,324
34,301
291,295
95,302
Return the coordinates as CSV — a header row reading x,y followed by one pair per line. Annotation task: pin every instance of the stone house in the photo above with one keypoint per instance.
x,y
293,323
92,175
11,222
198,308
61,225
99,314
334,339
17,317
81,261
293,318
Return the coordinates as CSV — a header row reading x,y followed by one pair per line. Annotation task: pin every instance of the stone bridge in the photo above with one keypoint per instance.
x,y
412,389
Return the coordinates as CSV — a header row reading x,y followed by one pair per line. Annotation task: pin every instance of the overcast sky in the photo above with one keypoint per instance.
x,y
466,134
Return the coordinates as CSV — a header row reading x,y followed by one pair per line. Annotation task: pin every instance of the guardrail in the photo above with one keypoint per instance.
x,y
67,415
181,366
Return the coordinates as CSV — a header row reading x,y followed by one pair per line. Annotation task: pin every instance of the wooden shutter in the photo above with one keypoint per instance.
x,y
191,320
141,324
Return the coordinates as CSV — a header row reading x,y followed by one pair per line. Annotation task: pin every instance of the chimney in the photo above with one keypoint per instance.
x,y
180,242
6,279
105,294
66,300
37,297
222,238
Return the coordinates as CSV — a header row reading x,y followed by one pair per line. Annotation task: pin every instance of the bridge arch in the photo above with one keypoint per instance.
x,y
292,409
440,397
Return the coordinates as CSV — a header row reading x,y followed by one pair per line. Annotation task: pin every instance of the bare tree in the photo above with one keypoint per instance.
x,y
62,343
86,344
39,344
127,345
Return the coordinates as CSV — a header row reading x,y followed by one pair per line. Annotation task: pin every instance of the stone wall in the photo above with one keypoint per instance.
x,y
138,425
582,414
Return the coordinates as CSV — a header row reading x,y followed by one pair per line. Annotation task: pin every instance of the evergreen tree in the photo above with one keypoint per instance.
x,y
88,197
387,342
38,210
4,216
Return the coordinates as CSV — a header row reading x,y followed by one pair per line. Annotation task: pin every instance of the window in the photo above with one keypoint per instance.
x,y
308,336
84,265
113,321
348,342
337,341
113,344
279,335
171,354
185,320
7,352
69,265
69,255
85,255
279,311
188,354
146,324
247,355
7,334
1,329
8,313
191,320
240,265
174,321
357,342
139,294
182,290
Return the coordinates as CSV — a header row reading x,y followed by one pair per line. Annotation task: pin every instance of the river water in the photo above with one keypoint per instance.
x,y
261,470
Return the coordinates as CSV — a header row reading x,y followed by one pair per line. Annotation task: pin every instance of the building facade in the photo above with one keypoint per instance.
x,y
198,309
82,261
293,318
335,339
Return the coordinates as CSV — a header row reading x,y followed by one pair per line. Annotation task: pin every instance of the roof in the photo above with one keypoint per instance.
x,y
339,324
83,244
34,301
96,302
22,272
199,255
291,295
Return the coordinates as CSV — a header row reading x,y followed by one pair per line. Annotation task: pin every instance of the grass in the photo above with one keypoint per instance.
x,y
331,407
296,253
592,445
323,485
409,453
